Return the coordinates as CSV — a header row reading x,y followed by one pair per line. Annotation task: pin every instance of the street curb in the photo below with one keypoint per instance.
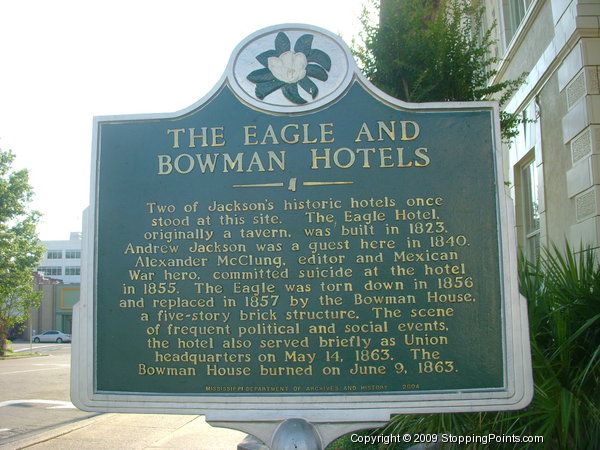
x,y
52,433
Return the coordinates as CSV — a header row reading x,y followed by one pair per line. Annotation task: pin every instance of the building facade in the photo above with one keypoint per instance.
x,y
553,166
57,277
62,260
56,309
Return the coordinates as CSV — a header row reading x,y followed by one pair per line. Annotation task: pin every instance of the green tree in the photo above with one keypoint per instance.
x,y
433,51
20,250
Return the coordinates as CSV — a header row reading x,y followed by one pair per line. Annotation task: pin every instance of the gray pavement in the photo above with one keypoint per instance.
x,y
133,431
102,431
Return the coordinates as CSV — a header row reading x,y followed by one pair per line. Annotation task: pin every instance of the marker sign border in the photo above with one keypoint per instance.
x,y
358,407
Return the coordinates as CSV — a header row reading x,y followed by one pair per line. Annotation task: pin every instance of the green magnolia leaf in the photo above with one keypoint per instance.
x,y
319,57
267,87
282,43
260,76
290,90
310,87
304,44
312,70
263,58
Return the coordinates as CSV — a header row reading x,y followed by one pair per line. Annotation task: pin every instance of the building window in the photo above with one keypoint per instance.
x,y
514,13
531,215
72,270
73,254
50,270
54,254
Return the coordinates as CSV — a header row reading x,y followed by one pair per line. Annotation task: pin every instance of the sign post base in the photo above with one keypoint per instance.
x,y
292,433
252,443
296,433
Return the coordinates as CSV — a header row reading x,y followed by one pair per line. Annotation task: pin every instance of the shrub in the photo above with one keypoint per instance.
x,y
563,295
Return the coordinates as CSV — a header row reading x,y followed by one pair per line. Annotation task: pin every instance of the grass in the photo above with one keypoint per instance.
x,y
10,354
13,355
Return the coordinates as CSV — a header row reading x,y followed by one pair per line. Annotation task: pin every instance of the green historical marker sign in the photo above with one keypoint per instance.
x,y
298,240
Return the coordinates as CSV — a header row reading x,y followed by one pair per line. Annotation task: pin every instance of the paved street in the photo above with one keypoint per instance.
x,y
34,392
36,412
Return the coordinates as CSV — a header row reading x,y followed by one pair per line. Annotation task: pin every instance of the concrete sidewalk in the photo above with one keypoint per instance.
x,y
134,431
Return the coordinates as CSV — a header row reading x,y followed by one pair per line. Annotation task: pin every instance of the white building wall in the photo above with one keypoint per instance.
x,y
62,259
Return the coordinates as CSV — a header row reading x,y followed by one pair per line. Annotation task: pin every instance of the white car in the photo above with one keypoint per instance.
x,y
52,336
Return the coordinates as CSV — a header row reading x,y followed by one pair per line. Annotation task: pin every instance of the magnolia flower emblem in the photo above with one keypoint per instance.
x,y
290,67
286,69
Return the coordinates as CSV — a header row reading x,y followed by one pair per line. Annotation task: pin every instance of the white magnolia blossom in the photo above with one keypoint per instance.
x,y
290,67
